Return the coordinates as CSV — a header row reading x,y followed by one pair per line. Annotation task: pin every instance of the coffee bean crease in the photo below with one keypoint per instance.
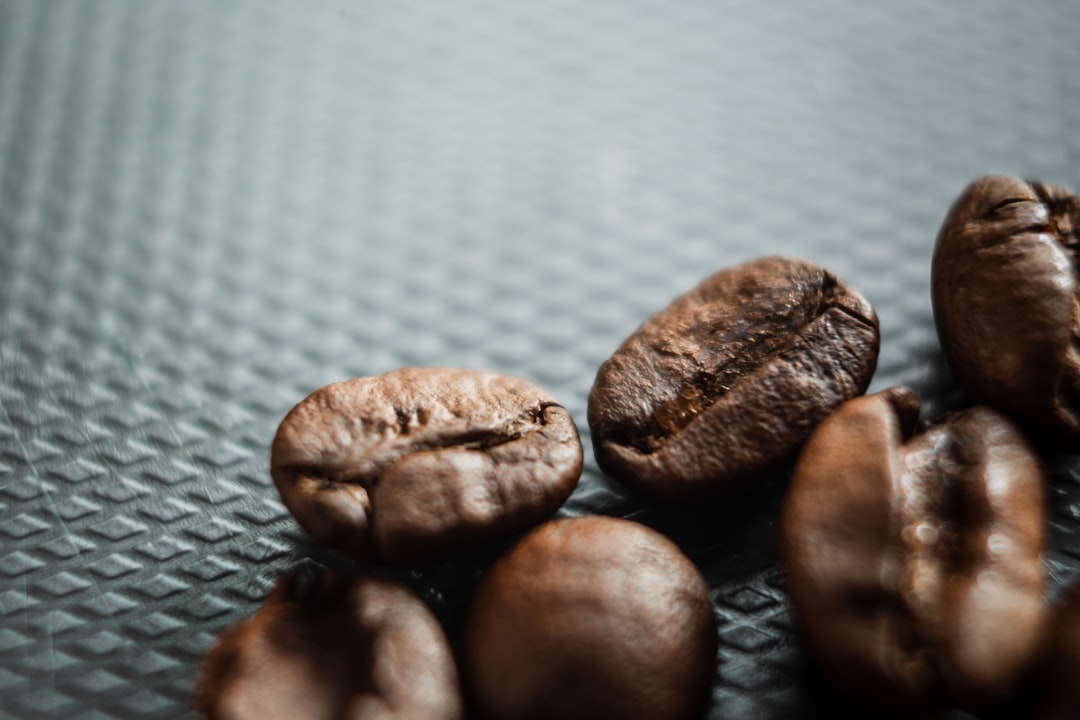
x,y
914,561
414,465
1006,297
730,377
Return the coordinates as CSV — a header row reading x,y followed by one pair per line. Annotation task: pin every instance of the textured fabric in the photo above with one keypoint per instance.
x,y
208,209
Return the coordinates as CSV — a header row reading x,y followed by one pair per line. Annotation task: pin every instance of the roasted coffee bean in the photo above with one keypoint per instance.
x,y
914,563
729,379
1005,301
330,647
420,464
1059,672
591,617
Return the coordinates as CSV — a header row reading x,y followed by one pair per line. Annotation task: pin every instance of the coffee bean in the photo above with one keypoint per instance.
x,y
914,563
591,617
332,647
420,464
1058,694
1005,294
729,379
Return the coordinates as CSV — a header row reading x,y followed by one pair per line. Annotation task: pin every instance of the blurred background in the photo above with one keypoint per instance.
x,y
210,209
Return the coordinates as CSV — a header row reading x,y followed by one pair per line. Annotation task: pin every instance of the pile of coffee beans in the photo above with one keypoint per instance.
x,y
913,559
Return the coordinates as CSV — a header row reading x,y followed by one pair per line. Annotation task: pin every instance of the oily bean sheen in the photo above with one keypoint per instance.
x,y
1005,294
914,563
730,378
1059,673
333,648
592,617
420,464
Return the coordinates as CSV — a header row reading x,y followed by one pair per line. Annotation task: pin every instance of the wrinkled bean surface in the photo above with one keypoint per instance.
x,y
1005,295
731,377
914,563
592,617
419,464
333,648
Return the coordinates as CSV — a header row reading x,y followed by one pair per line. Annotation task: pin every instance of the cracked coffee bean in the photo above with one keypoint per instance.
x,y
1059,672
1005,302
592,617
329,647
729,379
914,563
421,464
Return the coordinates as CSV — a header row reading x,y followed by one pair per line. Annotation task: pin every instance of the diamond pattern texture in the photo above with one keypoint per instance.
x,y
207,210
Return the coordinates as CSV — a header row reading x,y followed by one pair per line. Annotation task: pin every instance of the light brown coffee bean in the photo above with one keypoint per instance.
x,y
331,648
914,563
1007,302
591,617
421,464
728,381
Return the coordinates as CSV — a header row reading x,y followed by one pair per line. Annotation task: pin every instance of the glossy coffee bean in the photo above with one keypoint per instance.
x,y
591,617
730,379
1005,302
420,464
914,563
331,647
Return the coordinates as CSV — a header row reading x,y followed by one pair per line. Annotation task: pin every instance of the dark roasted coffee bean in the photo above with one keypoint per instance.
x,y
592,617
730,378
331,647
1005,301
914,563
420,464
1058,694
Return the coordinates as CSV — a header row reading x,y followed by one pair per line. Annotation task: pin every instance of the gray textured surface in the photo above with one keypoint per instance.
x,y
209,209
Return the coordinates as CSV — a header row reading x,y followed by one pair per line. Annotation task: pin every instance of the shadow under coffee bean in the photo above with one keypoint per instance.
x,y
727,381
1058,685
